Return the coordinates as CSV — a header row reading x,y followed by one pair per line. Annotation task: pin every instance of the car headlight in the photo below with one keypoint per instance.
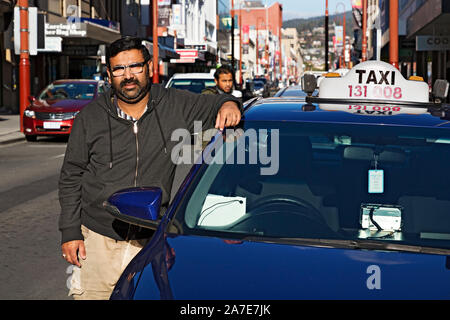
x,y
75,114
29,113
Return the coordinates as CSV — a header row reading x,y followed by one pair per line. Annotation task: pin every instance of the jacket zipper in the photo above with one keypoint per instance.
x,y
135,130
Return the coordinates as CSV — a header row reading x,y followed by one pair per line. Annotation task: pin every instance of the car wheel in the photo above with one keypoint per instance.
x,y
30,138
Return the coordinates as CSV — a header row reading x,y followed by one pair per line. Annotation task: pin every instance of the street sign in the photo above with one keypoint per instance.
x,y
432,43
32,30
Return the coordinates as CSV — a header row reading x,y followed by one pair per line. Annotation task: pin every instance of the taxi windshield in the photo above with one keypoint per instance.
x,y
322,181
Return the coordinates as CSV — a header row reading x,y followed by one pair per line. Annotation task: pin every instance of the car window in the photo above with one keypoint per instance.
x,y
258,84
193,85
324,185
72,91
292,93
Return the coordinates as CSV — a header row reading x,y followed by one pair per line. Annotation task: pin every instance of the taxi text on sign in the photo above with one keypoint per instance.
x,y
374,80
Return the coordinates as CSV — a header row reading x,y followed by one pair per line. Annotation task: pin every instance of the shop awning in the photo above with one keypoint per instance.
x,y
164,52
85,29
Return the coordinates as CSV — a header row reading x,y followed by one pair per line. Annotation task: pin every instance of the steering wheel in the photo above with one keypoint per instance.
x,y
309,211
62,93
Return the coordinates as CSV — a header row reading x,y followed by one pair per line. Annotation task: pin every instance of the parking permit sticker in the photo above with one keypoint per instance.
x,y
376,181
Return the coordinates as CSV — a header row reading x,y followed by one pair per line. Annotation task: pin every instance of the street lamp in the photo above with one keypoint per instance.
x,y
326,35
155,42
233,8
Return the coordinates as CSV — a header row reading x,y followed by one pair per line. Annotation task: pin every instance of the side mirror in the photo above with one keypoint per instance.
x,y
138,206
32,99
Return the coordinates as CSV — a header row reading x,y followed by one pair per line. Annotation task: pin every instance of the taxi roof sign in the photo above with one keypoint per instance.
x,y
374,80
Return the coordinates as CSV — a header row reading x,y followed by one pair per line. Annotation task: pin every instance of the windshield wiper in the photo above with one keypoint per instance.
x,y
352,244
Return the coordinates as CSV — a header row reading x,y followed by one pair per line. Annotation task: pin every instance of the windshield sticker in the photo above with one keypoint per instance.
x,y
381,217
220,211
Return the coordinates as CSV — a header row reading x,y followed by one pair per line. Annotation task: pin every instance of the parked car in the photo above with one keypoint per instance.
x,y
266,87
353,203
52,112
195,82
260,89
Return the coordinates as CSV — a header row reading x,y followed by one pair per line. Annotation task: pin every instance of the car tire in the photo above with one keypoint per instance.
x,y
31,138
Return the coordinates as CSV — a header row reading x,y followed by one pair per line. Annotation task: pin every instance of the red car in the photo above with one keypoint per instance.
x,y
53,111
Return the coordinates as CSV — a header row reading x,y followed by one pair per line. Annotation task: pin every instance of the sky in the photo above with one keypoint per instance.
x,y
293,9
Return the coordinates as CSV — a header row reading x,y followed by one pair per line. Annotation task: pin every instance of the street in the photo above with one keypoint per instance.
x,y
31,266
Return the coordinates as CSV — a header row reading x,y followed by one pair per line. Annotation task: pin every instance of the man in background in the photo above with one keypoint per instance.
x,y
224,82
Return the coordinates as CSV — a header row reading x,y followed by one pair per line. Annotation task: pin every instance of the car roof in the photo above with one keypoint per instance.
x,y
294,109
193,76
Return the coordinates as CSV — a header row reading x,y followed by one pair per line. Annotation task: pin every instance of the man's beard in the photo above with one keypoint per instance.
x,y
135,98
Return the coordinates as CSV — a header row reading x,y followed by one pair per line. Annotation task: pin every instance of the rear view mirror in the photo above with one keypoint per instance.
x,y
139,206
368,154
358,153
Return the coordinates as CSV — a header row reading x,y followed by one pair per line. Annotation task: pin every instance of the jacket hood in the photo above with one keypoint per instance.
x,y
107,102
157,93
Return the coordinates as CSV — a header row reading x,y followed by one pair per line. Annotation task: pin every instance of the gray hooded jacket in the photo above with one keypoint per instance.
x,y
106,153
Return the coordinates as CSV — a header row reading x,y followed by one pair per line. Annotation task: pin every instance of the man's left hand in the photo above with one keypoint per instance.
x,y
229,115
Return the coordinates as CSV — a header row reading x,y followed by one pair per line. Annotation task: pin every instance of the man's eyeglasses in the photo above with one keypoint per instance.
x,y
135,68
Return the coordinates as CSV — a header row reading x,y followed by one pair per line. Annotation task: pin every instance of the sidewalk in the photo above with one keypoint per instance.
x,y
10,129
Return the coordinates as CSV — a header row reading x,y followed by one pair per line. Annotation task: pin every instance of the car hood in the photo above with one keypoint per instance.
x,y
59,105
210,268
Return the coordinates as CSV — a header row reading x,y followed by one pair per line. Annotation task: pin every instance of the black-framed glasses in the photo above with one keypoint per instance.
x,y
135,68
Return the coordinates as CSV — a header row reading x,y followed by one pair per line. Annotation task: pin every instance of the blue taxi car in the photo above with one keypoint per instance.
x,y
342,196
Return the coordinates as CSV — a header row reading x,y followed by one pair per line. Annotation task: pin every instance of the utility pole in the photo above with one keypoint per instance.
x,y
232,40
393,33
24,66
155,42
345,41
326,35
364,31
240,45
257,49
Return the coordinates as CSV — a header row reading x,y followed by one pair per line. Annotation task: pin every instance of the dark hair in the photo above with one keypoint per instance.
x,y
124,44
223,70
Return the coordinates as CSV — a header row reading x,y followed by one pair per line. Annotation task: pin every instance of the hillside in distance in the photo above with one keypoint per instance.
x,y
309,24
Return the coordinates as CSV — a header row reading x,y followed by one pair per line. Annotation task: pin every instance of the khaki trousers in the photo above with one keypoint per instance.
x,y
106,259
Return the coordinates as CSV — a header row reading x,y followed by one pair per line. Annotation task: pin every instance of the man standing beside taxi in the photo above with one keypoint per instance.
x,y
122,140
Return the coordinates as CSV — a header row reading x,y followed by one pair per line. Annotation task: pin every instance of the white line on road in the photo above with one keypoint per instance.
x,y
58,156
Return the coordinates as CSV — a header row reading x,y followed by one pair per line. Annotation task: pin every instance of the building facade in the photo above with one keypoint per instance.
x,y
293,59
424,37
267,20
71,39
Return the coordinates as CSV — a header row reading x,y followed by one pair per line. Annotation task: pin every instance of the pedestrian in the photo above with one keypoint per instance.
x,y
223,77
122,140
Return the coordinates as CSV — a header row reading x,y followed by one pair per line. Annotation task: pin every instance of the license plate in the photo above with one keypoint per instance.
x,y
52,125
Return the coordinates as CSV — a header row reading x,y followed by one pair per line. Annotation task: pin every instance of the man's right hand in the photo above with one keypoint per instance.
x,y
70,250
